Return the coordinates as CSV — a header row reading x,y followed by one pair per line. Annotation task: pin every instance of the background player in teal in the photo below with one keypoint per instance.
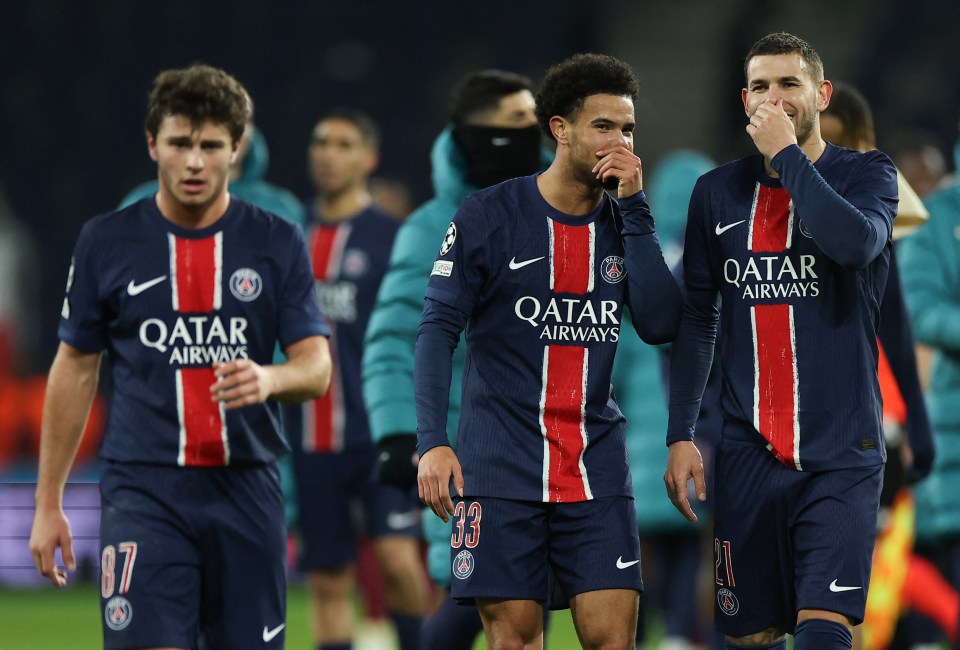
x,y
796,242
334,458
536,264
487,105
189,292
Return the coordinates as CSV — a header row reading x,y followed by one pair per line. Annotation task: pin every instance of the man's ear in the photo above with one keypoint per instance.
x,y
151,146
559,127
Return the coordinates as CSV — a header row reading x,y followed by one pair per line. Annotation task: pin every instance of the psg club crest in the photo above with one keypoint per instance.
x,y
355,263
463,564
118,613
729,604
245,284
448,239
613,270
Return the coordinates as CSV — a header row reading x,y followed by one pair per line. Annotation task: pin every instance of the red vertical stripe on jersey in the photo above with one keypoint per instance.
x,y
202,428
196,269
563,422
771,220
571,258
322,249
775,391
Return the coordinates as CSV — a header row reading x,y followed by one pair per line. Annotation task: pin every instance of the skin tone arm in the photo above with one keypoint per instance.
x,y
71,386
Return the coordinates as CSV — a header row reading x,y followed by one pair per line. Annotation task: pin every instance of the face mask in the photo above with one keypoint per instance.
x,y
495,154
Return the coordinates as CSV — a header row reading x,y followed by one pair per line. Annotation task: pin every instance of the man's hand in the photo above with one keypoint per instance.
x,y
620,162
51,530
437,467
684,463
771,128
240,383
397,462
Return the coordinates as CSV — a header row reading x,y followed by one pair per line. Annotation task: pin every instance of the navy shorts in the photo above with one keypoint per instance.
x,y
547,552
339,497
787,540
192,552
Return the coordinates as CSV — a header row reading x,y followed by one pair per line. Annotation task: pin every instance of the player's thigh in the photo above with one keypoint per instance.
x,y
752,545
836,523
595,545
328,489
150,568
244,551
606,618
498,549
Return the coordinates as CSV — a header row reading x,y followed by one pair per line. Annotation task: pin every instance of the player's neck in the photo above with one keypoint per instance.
x,y
566,193
341,206
194,217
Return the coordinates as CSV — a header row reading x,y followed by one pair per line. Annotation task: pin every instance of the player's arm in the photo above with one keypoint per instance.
x,y
304,375
437,337
71,387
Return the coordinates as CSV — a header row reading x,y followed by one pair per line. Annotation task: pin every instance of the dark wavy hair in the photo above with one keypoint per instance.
x,y
480,92
784,43
568,84
850,107
369,131
200,93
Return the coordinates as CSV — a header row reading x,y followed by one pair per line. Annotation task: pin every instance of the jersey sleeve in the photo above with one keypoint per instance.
x,y
300,315
462,266
82,318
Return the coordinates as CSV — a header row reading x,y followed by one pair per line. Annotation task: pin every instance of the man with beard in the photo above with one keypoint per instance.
x,y
796,242
538,270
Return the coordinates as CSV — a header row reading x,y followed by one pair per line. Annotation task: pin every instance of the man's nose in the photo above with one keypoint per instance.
x,y
195,158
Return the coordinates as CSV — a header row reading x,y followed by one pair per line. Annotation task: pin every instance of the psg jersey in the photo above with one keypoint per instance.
x,y
544,292
798,328
166,303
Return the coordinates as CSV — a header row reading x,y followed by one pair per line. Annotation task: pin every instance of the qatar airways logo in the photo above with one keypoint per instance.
x,y
338,301
571,319
773,276
197,340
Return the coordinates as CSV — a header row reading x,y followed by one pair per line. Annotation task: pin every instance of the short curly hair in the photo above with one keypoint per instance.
x,y
568,84
784,43
200,93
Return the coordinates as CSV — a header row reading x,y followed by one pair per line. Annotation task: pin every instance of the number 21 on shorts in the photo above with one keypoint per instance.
x,y
721,555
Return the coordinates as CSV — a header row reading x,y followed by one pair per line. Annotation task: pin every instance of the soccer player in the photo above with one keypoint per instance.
x,y
334,456
796,241
492,136
188,292
538,269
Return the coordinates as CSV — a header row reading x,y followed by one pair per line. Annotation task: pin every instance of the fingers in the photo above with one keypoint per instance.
x,y
434,492
238,384
677,491
46,566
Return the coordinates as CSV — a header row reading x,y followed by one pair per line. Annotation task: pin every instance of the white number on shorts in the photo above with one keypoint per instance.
x,y
108,568
723,558
466,533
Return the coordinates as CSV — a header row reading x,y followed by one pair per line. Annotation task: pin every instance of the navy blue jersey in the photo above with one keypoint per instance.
x,y
800,274
544,292
166,303
350,259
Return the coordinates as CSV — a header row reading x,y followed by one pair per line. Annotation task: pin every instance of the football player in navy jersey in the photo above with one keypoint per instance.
x,y
538,270
796,242
334,457
188,291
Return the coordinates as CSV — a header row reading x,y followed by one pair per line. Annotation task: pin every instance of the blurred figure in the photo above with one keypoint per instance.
x,y
930,261
487,104
917,154
392,195
334,457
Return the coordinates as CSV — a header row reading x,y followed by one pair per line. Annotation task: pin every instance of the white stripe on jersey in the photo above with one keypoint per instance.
x,y
593,259
545,473
583,403
172,245
178,384
218,277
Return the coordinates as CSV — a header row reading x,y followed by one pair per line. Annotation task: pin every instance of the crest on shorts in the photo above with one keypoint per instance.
x,y
463,565
728,603
448,239
612,269
118,613
245,284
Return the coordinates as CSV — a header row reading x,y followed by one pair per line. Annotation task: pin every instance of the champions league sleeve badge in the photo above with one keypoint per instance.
x,y
612,269
245,284
448,239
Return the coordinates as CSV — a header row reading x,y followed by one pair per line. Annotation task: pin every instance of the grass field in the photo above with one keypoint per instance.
x,y
47,619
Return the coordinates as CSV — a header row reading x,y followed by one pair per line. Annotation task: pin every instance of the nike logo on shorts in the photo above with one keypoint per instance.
x,y
133,288
837,589
268,635
625,565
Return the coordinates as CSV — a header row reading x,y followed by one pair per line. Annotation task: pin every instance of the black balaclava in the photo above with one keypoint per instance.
x,y
495,154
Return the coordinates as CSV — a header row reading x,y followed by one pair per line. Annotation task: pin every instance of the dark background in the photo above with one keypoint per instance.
x,y
74,78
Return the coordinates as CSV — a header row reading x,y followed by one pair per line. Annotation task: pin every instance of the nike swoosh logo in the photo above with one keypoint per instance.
x,y
268,635
625,565
835,589
722,229
133,288
514,264
401,520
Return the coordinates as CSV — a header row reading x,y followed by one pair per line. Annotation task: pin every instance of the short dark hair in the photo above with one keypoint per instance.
x,y
568,84
369,131
853,111
200,93
481,91
784,43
